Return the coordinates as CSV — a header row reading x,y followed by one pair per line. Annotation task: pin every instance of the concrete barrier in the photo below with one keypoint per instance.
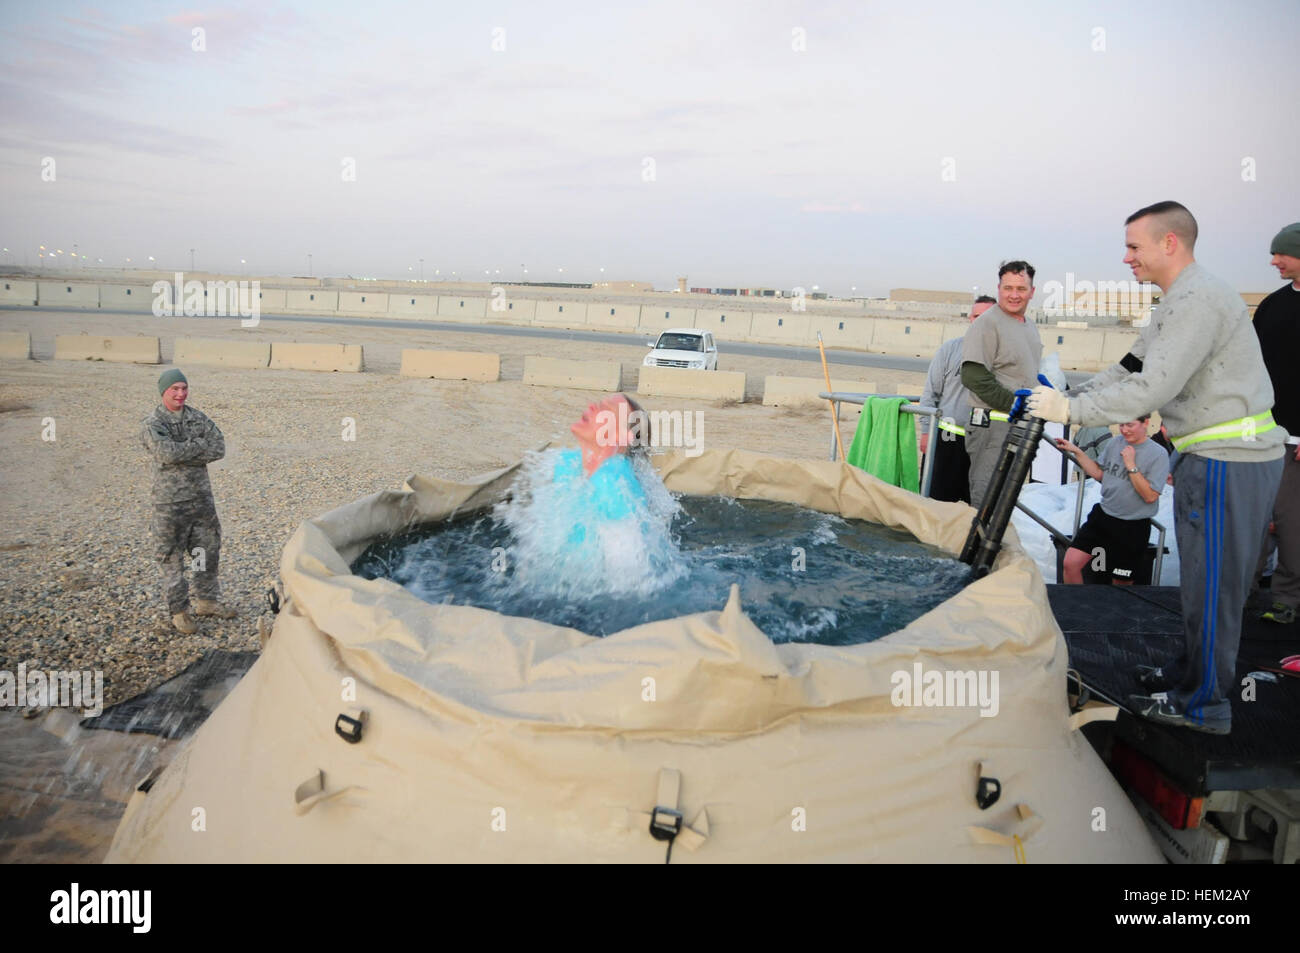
x,y
18,292
725,325
66,294
803,391
317,357
840,332
363,302
311,299
1078,350
458,308
780,328
221,353
560,314
656,318
508,310
951,330
1115,344
701,385
583,375
451,365
613,317
417,307
121,350
127,297
273,300
15,345
911,338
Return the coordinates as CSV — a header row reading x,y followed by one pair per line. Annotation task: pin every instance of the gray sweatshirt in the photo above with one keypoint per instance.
x,y
943,381
1198,364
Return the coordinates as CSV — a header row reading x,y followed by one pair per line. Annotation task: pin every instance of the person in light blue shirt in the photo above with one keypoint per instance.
x,y
607,434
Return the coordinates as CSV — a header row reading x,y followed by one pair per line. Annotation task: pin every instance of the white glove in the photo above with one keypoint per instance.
x,y
1049,404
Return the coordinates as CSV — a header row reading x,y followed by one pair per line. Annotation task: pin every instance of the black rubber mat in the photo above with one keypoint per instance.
x,y
179,705
1112,629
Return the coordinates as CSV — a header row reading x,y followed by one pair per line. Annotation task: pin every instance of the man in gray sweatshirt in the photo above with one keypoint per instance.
x,y
1200,363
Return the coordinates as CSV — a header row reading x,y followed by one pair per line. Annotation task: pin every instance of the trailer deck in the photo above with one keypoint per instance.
x,y
1112,629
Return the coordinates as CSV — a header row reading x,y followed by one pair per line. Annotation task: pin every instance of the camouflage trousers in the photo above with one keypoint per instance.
x,y
187,535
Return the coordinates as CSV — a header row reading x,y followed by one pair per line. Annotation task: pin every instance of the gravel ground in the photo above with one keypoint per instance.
x,y
78,586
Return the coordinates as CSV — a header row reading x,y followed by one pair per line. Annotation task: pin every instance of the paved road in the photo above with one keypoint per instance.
x,y
789,352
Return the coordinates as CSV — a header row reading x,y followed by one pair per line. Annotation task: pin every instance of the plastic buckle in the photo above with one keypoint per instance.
x,y
348,728
990,789
273,600
665,829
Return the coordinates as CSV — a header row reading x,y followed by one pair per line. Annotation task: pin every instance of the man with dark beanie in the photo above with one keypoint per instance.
x,y
181,442
1199,363
1277,322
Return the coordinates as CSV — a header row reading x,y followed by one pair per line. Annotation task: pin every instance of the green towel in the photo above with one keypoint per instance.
x,y
885,444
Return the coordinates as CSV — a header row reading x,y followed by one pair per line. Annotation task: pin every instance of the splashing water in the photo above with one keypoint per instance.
x,y
575,536
551,552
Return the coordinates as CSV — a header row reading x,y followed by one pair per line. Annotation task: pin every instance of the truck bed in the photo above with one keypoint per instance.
x,y
1111,629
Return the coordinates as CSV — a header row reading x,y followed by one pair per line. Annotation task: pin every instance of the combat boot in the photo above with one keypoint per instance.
x,y
182,622
211,607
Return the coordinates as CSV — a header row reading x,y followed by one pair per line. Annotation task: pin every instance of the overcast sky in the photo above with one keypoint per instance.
x,y
834,144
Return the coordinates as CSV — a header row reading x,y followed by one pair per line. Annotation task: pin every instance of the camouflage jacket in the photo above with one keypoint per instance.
x,y
180,446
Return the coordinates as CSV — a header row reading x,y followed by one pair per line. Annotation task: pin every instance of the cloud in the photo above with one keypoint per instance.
x,y
44,121
837,208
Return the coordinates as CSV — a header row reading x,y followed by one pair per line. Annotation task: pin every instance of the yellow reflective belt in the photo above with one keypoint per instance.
x,y
951,428
999,415
1245,428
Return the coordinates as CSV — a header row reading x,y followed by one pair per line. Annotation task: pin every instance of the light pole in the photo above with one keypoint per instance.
x,y
308,264
421,269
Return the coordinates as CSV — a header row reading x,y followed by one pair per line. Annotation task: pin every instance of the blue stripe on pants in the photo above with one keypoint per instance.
x,y
1216,482
1221,510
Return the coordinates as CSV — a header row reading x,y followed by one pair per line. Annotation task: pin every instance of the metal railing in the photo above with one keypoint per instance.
x,y
1156,567
850,397
1062,541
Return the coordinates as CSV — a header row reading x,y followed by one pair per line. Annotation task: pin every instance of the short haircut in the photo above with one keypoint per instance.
x,y
1142,418
986,299
1017,268
1169,217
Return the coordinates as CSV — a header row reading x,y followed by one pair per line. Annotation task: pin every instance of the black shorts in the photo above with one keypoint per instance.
x,y
1117,545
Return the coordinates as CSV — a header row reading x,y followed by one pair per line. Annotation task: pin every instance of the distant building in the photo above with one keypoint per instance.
x,y
745,292
623,287
931,297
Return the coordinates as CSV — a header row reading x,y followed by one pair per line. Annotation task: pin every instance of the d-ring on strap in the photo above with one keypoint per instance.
x,y
666,819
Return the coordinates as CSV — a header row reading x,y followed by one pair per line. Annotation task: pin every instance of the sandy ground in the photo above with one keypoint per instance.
x,y
78,586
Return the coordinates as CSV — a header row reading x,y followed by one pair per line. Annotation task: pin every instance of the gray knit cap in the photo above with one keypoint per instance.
x,y
170,377
1287,241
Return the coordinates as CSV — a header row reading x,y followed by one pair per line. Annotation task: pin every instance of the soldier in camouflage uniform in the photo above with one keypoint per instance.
x,y
181,442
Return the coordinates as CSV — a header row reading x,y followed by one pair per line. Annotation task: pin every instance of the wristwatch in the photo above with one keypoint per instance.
x,y
1134,470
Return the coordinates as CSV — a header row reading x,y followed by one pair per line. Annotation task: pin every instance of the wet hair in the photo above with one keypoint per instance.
x,y
1017,268
1169,217
642,444
986,299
